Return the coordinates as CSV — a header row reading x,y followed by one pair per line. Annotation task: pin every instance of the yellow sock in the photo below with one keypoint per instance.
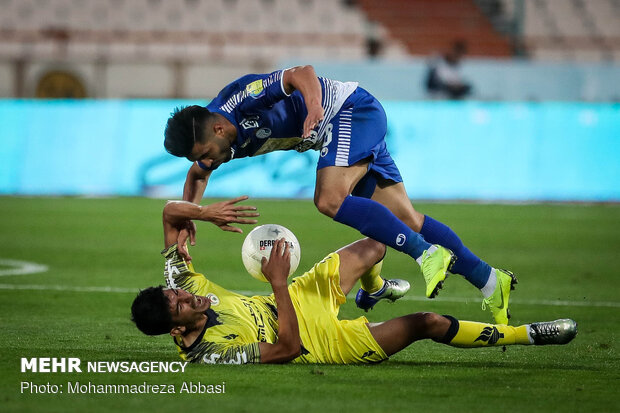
x,y
372,281
473,334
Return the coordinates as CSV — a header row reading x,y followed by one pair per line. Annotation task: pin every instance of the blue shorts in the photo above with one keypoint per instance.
x,y
357,133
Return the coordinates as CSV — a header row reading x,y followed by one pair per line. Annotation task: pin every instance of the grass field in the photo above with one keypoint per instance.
x,y
101,251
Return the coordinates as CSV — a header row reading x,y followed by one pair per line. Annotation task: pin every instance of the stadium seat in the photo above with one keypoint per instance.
x,y
237,27
578,30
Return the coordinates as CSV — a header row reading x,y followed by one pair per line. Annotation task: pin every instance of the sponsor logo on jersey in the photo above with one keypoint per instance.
x,y
215,359
172,269
255,89
263,133
170,273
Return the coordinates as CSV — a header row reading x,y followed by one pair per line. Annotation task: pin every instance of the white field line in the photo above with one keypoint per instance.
x,y
20,267
93,289
24,267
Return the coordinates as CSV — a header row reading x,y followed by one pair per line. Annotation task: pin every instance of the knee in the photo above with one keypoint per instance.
x,y
328,203
375,249
431,325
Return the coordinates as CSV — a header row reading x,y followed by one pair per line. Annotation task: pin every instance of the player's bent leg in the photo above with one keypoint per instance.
x,y
479,273
334,184
357,259
435,261
394,196
473,334
494,284
379,223
363,260
396,334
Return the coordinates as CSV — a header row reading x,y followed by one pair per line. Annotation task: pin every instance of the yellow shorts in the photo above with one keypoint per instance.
x,y
317,297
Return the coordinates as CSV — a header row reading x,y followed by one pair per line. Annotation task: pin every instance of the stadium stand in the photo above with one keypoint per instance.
x,y
185,29
314,29
570,30
429,26
175,44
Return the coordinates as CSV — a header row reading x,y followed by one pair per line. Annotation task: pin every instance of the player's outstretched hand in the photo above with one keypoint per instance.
x,y
225,213
314,117
277,267
221,214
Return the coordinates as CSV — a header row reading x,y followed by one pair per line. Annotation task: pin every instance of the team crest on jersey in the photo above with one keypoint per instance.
x,y
255,89
263,133
249,122
213,298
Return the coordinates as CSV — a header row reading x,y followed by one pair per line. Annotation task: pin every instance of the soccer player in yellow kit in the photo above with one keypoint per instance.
x,y
299,322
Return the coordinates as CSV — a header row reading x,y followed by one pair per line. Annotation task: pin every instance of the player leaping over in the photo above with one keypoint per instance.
x,y
298,323
357,181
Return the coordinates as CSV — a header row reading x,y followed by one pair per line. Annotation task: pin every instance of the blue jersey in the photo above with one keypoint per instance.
x,y
268,119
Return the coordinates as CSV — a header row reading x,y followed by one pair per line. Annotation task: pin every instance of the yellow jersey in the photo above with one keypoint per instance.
x,y
237,324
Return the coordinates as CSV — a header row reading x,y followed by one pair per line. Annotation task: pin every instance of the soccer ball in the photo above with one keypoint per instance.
x,y
258,244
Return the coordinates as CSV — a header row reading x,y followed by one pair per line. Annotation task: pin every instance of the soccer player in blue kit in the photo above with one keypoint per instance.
x,y
357,181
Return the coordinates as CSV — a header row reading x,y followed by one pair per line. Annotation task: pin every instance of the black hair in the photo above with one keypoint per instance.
x,y
150,311
184,128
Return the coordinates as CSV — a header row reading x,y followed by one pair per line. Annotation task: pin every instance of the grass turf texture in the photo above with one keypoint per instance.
x,y
559,252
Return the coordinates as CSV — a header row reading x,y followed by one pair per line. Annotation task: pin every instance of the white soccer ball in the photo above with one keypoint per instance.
x,y
258,244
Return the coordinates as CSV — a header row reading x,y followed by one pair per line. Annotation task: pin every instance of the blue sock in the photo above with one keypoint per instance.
x,y
467,264
379,223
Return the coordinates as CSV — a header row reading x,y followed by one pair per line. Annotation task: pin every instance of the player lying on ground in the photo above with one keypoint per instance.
x,y
298,323
357,181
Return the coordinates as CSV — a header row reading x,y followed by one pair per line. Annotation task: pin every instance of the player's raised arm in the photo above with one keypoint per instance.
x,y
222,214
276,270
304,79
193,191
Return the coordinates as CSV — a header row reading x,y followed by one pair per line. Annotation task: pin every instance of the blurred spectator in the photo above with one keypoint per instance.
x,y
374,44
443,79
374,47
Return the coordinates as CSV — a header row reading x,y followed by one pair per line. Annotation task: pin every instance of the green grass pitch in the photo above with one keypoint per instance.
x,y
566,258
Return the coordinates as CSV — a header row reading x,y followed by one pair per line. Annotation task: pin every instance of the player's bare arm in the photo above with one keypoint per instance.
x,y
276,270
304,79
195,183
223,214
193,190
